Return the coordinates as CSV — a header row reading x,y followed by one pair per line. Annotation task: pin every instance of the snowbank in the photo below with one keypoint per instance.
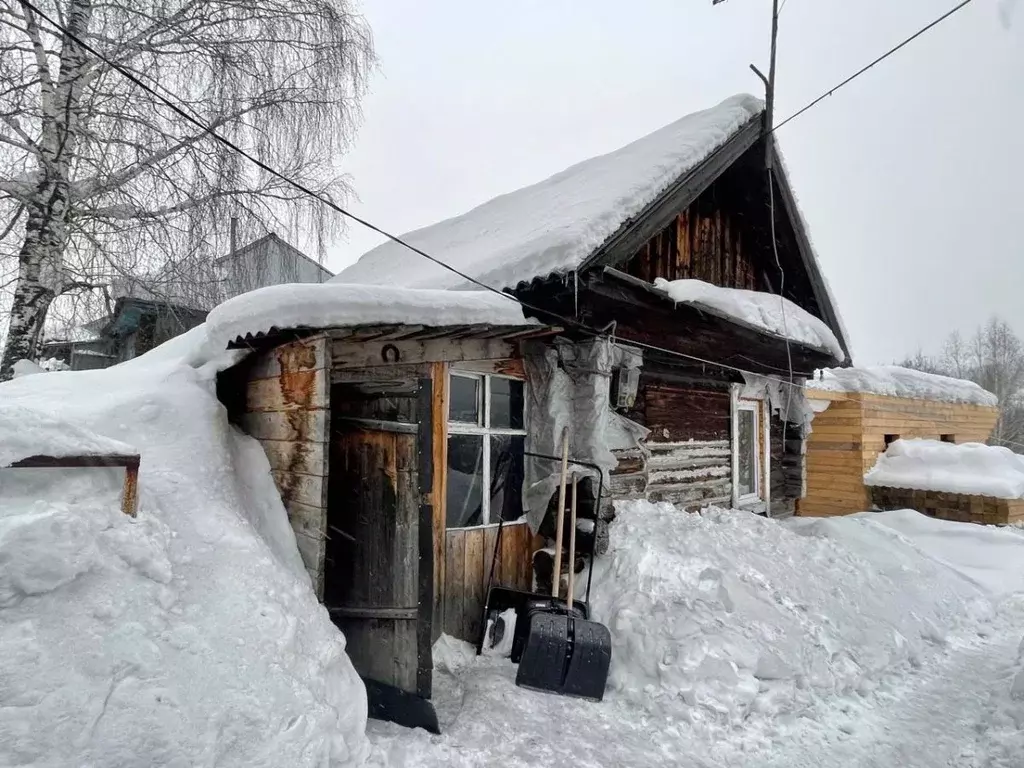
x,y
187,636
26,432
968,468
764,311
895,381
323,305
550,227
719,616
991,557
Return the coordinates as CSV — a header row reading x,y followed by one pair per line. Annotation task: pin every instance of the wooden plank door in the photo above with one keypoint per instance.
x,y
378,583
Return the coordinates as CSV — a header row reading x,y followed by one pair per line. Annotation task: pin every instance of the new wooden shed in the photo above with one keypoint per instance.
x,y
861,411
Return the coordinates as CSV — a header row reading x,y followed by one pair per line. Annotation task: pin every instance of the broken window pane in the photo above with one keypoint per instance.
x,y
506,403
465,480
506,477
747,450
464,399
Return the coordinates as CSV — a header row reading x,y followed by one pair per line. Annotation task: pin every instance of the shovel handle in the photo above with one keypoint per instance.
x,y
572,543
560,515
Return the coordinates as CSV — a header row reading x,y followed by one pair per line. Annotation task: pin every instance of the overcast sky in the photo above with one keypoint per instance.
x,y
911,178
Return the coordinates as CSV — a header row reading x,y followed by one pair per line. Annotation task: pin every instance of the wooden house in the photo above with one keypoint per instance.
x,y
859,412
398,439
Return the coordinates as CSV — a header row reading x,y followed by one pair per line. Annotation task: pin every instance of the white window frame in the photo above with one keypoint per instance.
x,y
486,431
762,437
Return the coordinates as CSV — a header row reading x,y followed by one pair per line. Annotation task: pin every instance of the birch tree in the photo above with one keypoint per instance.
x,y
99,180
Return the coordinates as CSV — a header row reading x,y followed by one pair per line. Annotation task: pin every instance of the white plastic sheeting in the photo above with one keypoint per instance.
x,y
570,386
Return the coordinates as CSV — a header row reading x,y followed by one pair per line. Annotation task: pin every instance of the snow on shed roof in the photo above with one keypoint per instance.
x,y
26,432
339,305
968,468
896,381
764,311
553,226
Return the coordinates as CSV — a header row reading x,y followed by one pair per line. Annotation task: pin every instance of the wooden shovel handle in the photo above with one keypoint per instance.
x,y
560,515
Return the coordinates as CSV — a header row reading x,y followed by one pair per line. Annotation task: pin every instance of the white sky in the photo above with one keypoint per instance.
x,y
911,178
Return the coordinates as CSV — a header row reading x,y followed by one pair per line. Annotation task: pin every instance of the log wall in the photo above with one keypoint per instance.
x,y
848,436
286,404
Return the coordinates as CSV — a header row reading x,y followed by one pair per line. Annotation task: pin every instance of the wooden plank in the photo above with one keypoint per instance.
x,y
305,489
454,592
404,561
305,354
363,612
307,519
305,425
473,584
298,390
304,458
439,426
346,354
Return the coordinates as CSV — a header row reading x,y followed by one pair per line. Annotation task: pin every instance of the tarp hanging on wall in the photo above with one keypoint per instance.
x,y
569,385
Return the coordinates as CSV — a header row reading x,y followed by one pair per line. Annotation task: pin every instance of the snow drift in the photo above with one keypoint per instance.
x,y
896,381
722,615
968,468
187,636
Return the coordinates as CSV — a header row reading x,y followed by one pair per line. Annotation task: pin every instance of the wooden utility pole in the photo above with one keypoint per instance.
x,y
769,84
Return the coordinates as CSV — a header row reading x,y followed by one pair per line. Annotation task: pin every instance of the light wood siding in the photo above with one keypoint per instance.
x,y
468,556
286,405
848,436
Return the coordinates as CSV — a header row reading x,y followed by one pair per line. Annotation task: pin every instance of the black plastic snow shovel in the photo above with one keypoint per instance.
x,y
565,652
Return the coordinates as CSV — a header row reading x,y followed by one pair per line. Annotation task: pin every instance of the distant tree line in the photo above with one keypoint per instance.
x,y
992,357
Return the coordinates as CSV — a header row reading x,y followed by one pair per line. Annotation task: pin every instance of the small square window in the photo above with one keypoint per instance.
x,y
464,396
890,439
947,438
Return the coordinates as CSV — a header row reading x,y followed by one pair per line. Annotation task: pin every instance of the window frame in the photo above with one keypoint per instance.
x,y
485,431
762,461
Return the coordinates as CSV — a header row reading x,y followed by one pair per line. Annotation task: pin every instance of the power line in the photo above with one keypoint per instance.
x,y
572,323
880,59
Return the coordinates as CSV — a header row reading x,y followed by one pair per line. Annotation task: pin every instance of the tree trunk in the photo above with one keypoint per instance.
x,y
41,257
32,296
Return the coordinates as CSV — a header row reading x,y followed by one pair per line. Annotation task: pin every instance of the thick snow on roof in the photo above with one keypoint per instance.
x,y
333,305
552,226
969,468
764,311
30,432
896,381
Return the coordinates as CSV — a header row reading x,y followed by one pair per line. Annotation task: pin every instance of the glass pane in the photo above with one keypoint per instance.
x,y
464,399
381,400
465,480
747,439
506,477
506,403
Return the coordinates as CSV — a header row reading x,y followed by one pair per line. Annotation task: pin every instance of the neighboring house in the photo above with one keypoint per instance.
x,y
859,412
148,312
399,413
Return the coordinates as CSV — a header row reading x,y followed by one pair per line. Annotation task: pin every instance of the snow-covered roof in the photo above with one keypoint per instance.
x,y
340,305
764,311
553,226
968,468
896,381
28,432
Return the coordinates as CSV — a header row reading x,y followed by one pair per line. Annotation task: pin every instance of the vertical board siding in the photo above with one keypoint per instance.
x,y
847,438
286,405
468,555
702,243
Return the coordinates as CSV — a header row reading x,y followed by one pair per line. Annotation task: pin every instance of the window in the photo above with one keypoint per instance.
x,y
889,439
947,438
748,453
486,438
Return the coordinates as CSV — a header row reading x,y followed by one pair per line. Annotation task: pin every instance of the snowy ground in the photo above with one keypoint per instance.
x,y
190,635
882,640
